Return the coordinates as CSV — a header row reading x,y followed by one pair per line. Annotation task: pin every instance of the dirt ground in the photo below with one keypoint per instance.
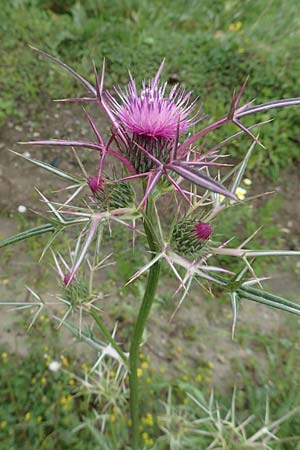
x,y
211,326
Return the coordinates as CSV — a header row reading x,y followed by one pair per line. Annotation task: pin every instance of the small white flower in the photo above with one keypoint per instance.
x,y
22,209
240,193
247,181
54,366
27,155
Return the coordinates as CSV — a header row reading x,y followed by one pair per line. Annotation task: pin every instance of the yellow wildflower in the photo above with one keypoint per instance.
x,y
85,367
145,436
198,378
247,181
5,281
43,380
4,357
240,193
148,420
3,424
139,372
144,365
27,417
65,361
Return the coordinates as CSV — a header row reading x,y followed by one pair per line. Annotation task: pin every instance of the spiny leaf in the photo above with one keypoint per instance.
x,y
268,299
49,168
47,228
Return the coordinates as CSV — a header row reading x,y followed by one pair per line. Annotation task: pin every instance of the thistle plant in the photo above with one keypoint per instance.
x,y
158,146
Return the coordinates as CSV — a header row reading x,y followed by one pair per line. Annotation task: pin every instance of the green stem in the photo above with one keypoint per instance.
x,y
140,324
108,336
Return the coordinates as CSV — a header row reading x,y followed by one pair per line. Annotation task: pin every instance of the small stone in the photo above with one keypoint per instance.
x,y
221,359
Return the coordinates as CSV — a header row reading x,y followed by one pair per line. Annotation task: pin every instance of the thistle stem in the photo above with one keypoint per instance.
x,y
140,324
108,336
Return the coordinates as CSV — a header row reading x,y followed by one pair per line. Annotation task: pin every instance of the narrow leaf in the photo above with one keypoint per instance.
x,y
78,77
48,227
199,178
242,168
48,167
295,309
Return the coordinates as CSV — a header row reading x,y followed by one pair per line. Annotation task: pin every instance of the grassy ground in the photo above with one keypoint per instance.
x,y
211,46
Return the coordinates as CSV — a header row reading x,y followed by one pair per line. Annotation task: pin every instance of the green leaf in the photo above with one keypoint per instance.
x,y
268,299
242,168
46,228
49,168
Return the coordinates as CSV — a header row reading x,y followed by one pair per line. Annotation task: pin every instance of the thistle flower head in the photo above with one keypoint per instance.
x,y
151,112
203,231
190,236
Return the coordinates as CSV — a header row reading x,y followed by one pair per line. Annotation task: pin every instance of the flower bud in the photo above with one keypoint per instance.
x,y
203,231
67,279
95,184
190,236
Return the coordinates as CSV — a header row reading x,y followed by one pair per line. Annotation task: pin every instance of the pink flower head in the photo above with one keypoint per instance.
x,y
203,231
68,278
151,112
95,184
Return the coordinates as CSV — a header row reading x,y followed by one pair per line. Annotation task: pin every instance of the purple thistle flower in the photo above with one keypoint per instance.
x,y
151,119
147,126
203,231
151,112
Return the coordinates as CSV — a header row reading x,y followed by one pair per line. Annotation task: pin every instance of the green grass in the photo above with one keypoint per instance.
x,y
202,51
42,409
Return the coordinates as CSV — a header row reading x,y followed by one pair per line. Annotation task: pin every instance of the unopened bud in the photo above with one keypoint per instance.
x,y
95,184
203,231
190,236
67,279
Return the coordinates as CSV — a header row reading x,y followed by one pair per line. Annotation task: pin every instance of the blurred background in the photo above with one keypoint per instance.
x,y
210,47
